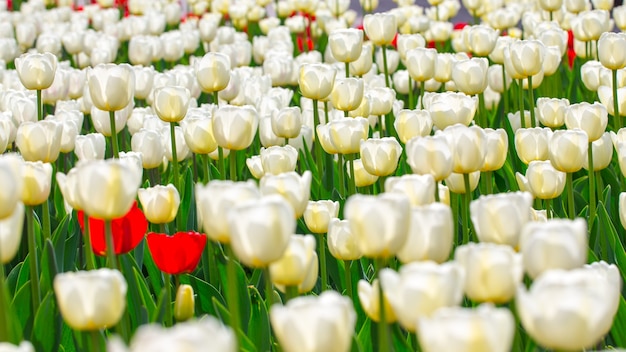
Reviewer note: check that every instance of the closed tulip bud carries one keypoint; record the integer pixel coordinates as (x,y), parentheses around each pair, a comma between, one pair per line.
(11,232)
(381,223)
(532,143)
(346,44)
(184,305)
(447,109)
(40,141)
(497,149)
(362,178)
(91,300)
(456,182)
(421,63)
(111,86)
(213,72)
(567,149)
(443,67)
(590,118)
(550,5)
(468,146)
(318,215)
(215,199)
(492,329)
(347,93)
(619,16)
(470,76)
(149,144)
(430,235)
(380,28)
(296,322)
(342,243)
(274,221)
(198,133)
(592,301)
(160,203)
(381,100)
(551,111)
(420,289)
(369,297)
(413,123)
(295,263)
(380,156)
(527,57)
(430,155)
(499,218)
(37,181)
(602,153)
(364,63)
(555,244)
(481,40)
(544,181)
(346,134)
(234,127)
(90,147)
(36,71)
(276,160)
(255,166)
(171,103)
(287,122)
(316,80)
(294,188)
(407,42)
(492,271)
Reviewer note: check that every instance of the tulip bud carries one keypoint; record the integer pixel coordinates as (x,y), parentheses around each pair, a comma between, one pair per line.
(342,243)
(369,297)
(380,156)
(318,215)
(364,63)
(347,94)
(456,182)
(234,127)
(111,86)
(567,150)
(295,189)
(551,111)
(292,267)
(556,244)
(481,40)
(526,57)
(148,143)
(213,72)
(447,109)
(198,133)
(160,203)
(184,306)
(544,181)
(412,123)
(430,234)
(469,147)
(40,141)
(316,80)
(171,103)
(11,233)
(380,28)
(36,71)
(276,160)
(499,218)
(90,147)
(346,44)
(602,149)
(470,76)
(37,181)
(608,53)
(287,122)
(421,63)
(590,118)
(497,149)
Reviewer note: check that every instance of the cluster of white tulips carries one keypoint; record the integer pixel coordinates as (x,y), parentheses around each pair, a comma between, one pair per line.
(294,175)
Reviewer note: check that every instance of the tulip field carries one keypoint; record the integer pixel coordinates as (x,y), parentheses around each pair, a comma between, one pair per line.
(307,176)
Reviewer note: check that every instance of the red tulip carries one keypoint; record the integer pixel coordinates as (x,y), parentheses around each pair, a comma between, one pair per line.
(128,231)
(176,254)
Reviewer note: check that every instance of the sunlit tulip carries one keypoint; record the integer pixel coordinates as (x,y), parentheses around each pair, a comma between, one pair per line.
(527,56)
(342,243)
(430,234)
(532,143)
(11,173)
(184,304)
(322,323)
(430,155)
(182,150)
(421,63)
(382,235)
(24,346)
(37,181)
(499,218)
(369,296)
(159,203)
(149,144)
(481,40)
(412,123)
(468,146)
(380,28)
(497,149)
(40,141)
(591,118)
(316,80)
(215,199)
(406,42)
(419,188)
(551,111)
(567,149)
(111,86)
(619,16)
(555,244)
(91,300)
(571,310)
(447,109)
(485,328)
(11,233)
(36,71)
(346,44)
(318,215)
(213,72)
(544,181)
(589,25)
(456,182)
(470,76)
(90,147)
(380,156)
(295,263)
(364,63)
(492,271)
(294,188)
(107,189)
(346,134)
(287,122)
(274,221)
(198,133)
(276,159)
(347,93)
(602,150)
(101,119)
(605,94)
(234,127)
(362,178)
(171,103)
(550,5)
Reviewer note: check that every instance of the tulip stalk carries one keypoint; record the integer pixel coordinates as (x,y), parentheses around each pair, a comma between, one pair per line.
(207,168)
(386,69)
(521,103)
(114,145)
(348,277)
(531,98)
(90,259)
(220,163)
(410,92)
(45,209)
(4,310)
(108,234)
(167,299)
(341,171)
(505,92)
(383,328)
(569,185)
(347,63)
(321,248)
(548,206)
(616,114)
(466,208)
(269,289)
(232,158)
(482,114)
(233,293)
(318,147)
(39,106)
(95,340)
(175,173)
(437,191)
(352,183)
(32,255)
(592,185)
(291,292)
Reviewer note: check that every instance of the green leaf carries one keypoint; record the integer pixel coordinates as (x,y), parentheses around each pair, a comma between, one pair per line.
(618,331)
(205,295)
(47,328)
(59,238)
(136,309)
(154,274)
(364,336)
(49,267)
(186,196)
(71,247)
(12,278)
(242,289)
(259,326)
(224,315)
(148,307)
(22,299)
(617,250)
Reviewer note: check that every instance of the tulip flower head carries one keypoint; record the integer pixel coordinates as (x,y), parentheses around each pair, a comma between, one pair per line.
(176,254)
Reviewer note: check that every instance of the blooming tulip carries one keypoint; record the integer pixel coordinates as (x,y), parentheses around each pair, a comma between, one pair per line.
(295,263)
(430,234)
(447,109)
(176,254)
(111,86)
(316,80)
(90,146)
(544,181)
(499,218)
(421,63)
(318,215)
(11,234)
(380,156)
(497,148)
(160,203)
(532,143)
(470,76)
(602,150)
(40,141)
(198,133)
(412,123)
(37,181)
(171,103)
(608,53)
(380,28)
(347,93)
(468,146)
(346,44)
(36,71)
(567,150)
(551,111)
(149,144)
(527,57)
(234,127)
(430,155)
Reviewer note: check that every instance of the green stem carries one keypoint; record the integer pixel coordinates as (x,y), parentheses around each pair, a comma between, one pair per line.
(215,98)
(32,257)
(570,195)
(414,341)
(114,145)
(548,203)
(521,103)
(220,163)
(39,106)
(348,277)
(269,289)
(466,213)
(291,292)
(233,293)
(489,178)
(211,274)
(437,191)
(386,69)
(175,176)
(505,92)
(45,209)
(482,114)
(342,185)
(108,234)
(4,307)
(89,256)
(232,158)
(318,146)
(347,65)
(592,185)
(95,340)
(422,91)
(531,98)
(383,328)
(167,280)
(321,248)
(206,162)
(616,114)
(410,93)
(352,183)
(381,132)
